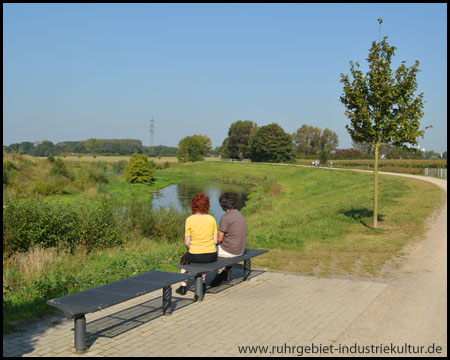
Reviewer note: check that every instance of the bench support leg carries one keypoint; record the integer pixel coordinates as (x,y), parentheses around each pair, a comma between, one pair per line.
(199,287)
(247,268)
(80,334)
(167,300)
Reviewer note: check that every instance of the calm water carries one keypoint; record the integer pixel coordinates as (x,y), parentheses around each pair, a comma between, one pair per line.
(180,195)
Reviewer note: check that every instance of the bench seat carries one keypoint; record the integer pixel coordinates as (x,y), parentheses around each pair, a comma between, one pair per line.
(87,301)
(197,269)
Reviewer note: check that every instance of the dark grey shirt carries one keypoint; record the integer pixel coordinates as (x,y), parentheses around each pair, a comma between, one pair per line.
(234,227)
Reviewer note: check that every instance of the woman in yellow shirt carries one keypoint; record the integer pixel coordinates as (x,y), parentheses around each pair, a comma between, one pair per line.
(200,237)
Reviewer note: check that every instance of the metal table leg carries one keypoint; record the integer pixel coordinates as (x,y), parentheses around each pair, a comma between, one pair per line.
(247,268)
(199,287)
(167,300)
(80,334)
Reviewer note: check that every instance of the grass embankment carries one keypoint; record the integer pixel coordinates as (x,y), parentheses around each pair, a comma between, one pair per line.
(314,221)
(320,221)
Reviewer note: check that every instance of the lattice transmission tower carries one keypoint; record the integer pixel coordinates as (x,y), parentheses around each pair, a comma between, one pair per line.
(152,135)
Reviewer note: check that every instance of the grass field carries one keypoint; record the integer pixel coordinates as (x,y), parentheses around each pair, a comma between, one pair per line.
(319,222)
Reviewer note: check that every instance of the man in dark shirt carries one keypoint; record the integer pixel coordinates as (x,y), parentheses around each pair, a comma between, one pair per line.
(232,236)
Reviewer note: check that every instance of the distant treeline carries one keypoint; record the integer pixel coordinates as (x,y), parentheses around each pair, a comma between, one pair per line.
(90,146)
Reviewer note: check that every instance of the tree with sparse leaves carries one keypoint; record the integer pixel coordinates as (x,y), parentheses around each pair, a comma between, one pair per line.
(382,105)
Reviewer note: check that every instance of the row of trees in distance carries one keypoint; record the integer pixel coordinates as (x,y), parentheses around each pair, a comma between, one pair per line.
(269,143)
(89,146)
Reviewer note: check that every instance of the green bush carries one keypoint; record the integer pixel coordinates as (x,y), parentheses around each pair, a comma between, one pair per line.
(158,224)
(97,173)
(139,170)
(32,221)
(59,168)
(46,188)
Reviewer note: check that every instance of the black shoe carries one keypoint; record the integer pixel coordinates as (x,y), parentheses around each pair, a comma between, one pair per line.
(218,279)
(227,272)
(182,290)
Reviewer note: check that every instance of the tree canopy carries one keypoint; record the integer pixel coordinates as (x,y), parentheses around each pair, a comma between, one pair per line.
(272,144)
(238,141)
(193,148)
(311,140)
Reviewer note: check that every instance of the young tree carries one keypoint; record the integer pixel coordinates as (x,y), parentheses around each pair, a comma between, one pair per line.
(272,144)
(381,104)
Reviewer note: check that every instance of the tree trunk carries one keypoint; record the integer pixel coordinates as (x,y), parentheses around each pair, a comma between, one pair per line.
(375,207)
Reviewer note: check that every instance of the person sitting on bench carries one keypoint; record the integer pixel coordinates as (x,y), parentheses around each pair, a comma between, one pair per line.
(232,238)
(200,237)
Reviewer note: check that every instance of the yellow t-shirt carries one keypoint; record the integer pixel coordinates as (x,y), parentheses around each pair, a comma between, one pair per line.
(201,228)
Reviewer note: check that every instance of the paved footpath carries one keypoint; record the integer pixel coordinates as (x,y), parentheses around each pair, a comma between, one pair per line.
(271,309)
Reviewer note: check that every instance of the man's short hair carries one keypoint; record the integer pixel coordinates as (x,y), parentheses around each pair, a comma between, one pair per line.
(226,201)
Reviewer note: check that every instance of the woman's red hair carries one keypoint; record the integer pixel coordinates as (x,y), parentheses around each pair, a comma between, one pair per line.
(200,203)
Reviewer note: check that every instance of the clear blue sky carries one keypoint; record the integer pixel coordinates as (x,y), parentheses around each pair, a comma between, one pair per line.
(79,71)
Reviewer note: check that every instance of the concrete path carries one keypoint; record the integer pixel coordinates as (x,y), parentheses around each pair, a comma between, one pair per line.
(274,314)
(271,309)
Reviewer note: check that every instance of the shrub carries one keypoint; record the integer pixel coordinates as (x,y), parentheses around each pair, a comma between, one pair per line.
(8,165)
(119,166)
(323,157)
(59,168)
(158,224)
(46,188)
(98,175)
(33,221)
(139,170)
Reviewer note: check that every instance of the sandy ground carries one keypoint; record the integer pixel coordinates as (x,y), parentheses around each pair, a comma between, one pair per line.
(412,310)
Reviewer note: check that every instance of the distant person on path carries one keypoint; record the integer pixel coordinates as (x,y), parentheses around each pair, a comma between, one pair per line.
(200,237)
(232,237)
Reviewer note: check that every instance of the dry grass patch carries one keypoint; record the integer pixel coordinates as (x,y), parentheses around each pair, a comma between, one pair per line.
(33,263)
(111,159)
